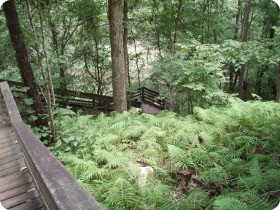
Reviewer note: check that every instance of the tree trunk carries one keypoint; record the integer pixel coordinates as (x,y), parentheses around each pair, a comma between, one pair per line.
(98,76)
(259,78)
(136,59)
(232,78)
(179,11)
(237,20)
(49,86)
(41,67)
(22,57)
(56,45)
(125,39)
(241,90)
(117,54)
(125,47)
(278,85)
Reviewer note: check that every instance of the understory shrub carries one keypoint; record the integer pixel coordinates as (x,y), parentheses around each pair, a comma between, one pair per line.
(219,158)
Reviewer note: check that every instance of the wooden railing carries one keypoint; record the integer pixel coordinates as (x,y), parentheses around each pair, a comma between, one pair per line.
(77,99)
(149,96)
(87,100)
(57,187)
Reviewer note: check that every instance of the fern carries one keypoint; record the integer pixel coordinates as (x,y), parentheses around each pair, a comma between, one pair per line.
(180,158)
(216,175)
(261,181)
(160,196)
(229,203)
(93,172)
(254,201)
(121,196)
(234,149)
(134,132)
(151,119)
(196,199)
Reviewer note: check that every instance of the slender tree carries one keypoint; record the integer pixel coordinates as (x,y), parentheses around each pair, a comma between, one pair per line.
(179,11)
(278,85)
(241,89)
(24,65)
(237,20)
(117,54)
(47,80)
(125,39)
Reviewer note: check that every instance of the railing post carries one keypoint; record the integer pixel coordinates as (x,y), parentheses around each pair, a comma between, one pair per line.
(142,94)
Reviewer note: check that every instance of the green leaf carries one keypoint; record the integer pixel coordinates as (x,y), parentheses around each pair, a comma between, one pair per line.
(28,101)
(33,118)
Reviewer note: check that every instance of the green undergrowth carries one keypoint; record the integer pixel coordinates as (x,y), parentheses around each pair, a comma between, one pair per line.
(219,158)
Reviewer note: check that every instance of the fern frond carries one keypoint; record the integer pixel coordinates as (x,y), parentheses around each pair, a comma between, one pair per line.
(92,172)
(160,196)
(180,157)
(229,203)
(261,181)
(119,126)
(166,114)
(197,199)
(122,195)
(117,161)
(105,142)
(75,161)
(254,201)
(150,119)
(153,132)
(216,175)
(134,131)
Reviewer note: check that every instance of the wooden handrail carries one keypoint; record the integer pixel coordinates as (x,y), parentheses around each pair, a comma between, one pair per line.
(99,102)
(149,96)
(58,188)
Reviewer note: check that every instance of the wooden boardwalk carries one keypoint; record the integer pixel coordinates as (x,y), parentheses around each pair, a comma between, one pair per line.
(17,189)
(144,98)
(30,177)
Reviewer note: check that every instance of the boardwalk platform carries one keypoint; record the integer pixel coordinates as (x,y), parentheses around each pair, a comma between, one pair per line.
(148,100)
(30,177)
(17,189)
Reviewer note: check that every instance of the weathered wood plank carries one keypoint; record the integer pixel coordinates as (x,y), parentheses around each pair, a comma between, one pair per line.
(16,191)
(9,153)
(30,205)
(14,180)
(6,144)
(9,165)
(4,118)
(5,139)
(19,199)
(9,171)
(10,159)
(5,125)
(8,149)
(4,133)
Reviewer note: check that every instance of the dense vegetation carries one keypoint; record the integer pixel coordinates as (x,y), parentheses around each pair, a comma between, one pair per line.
(221,157)
(209,149)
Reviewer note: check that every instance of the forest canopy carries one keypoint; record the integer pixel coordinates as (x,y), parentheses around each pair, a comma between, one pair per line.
(203,39)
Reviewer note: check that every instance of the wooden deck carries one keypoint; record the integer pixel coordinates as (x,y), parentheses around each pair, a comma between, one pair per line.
(17,189)
(30,177)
